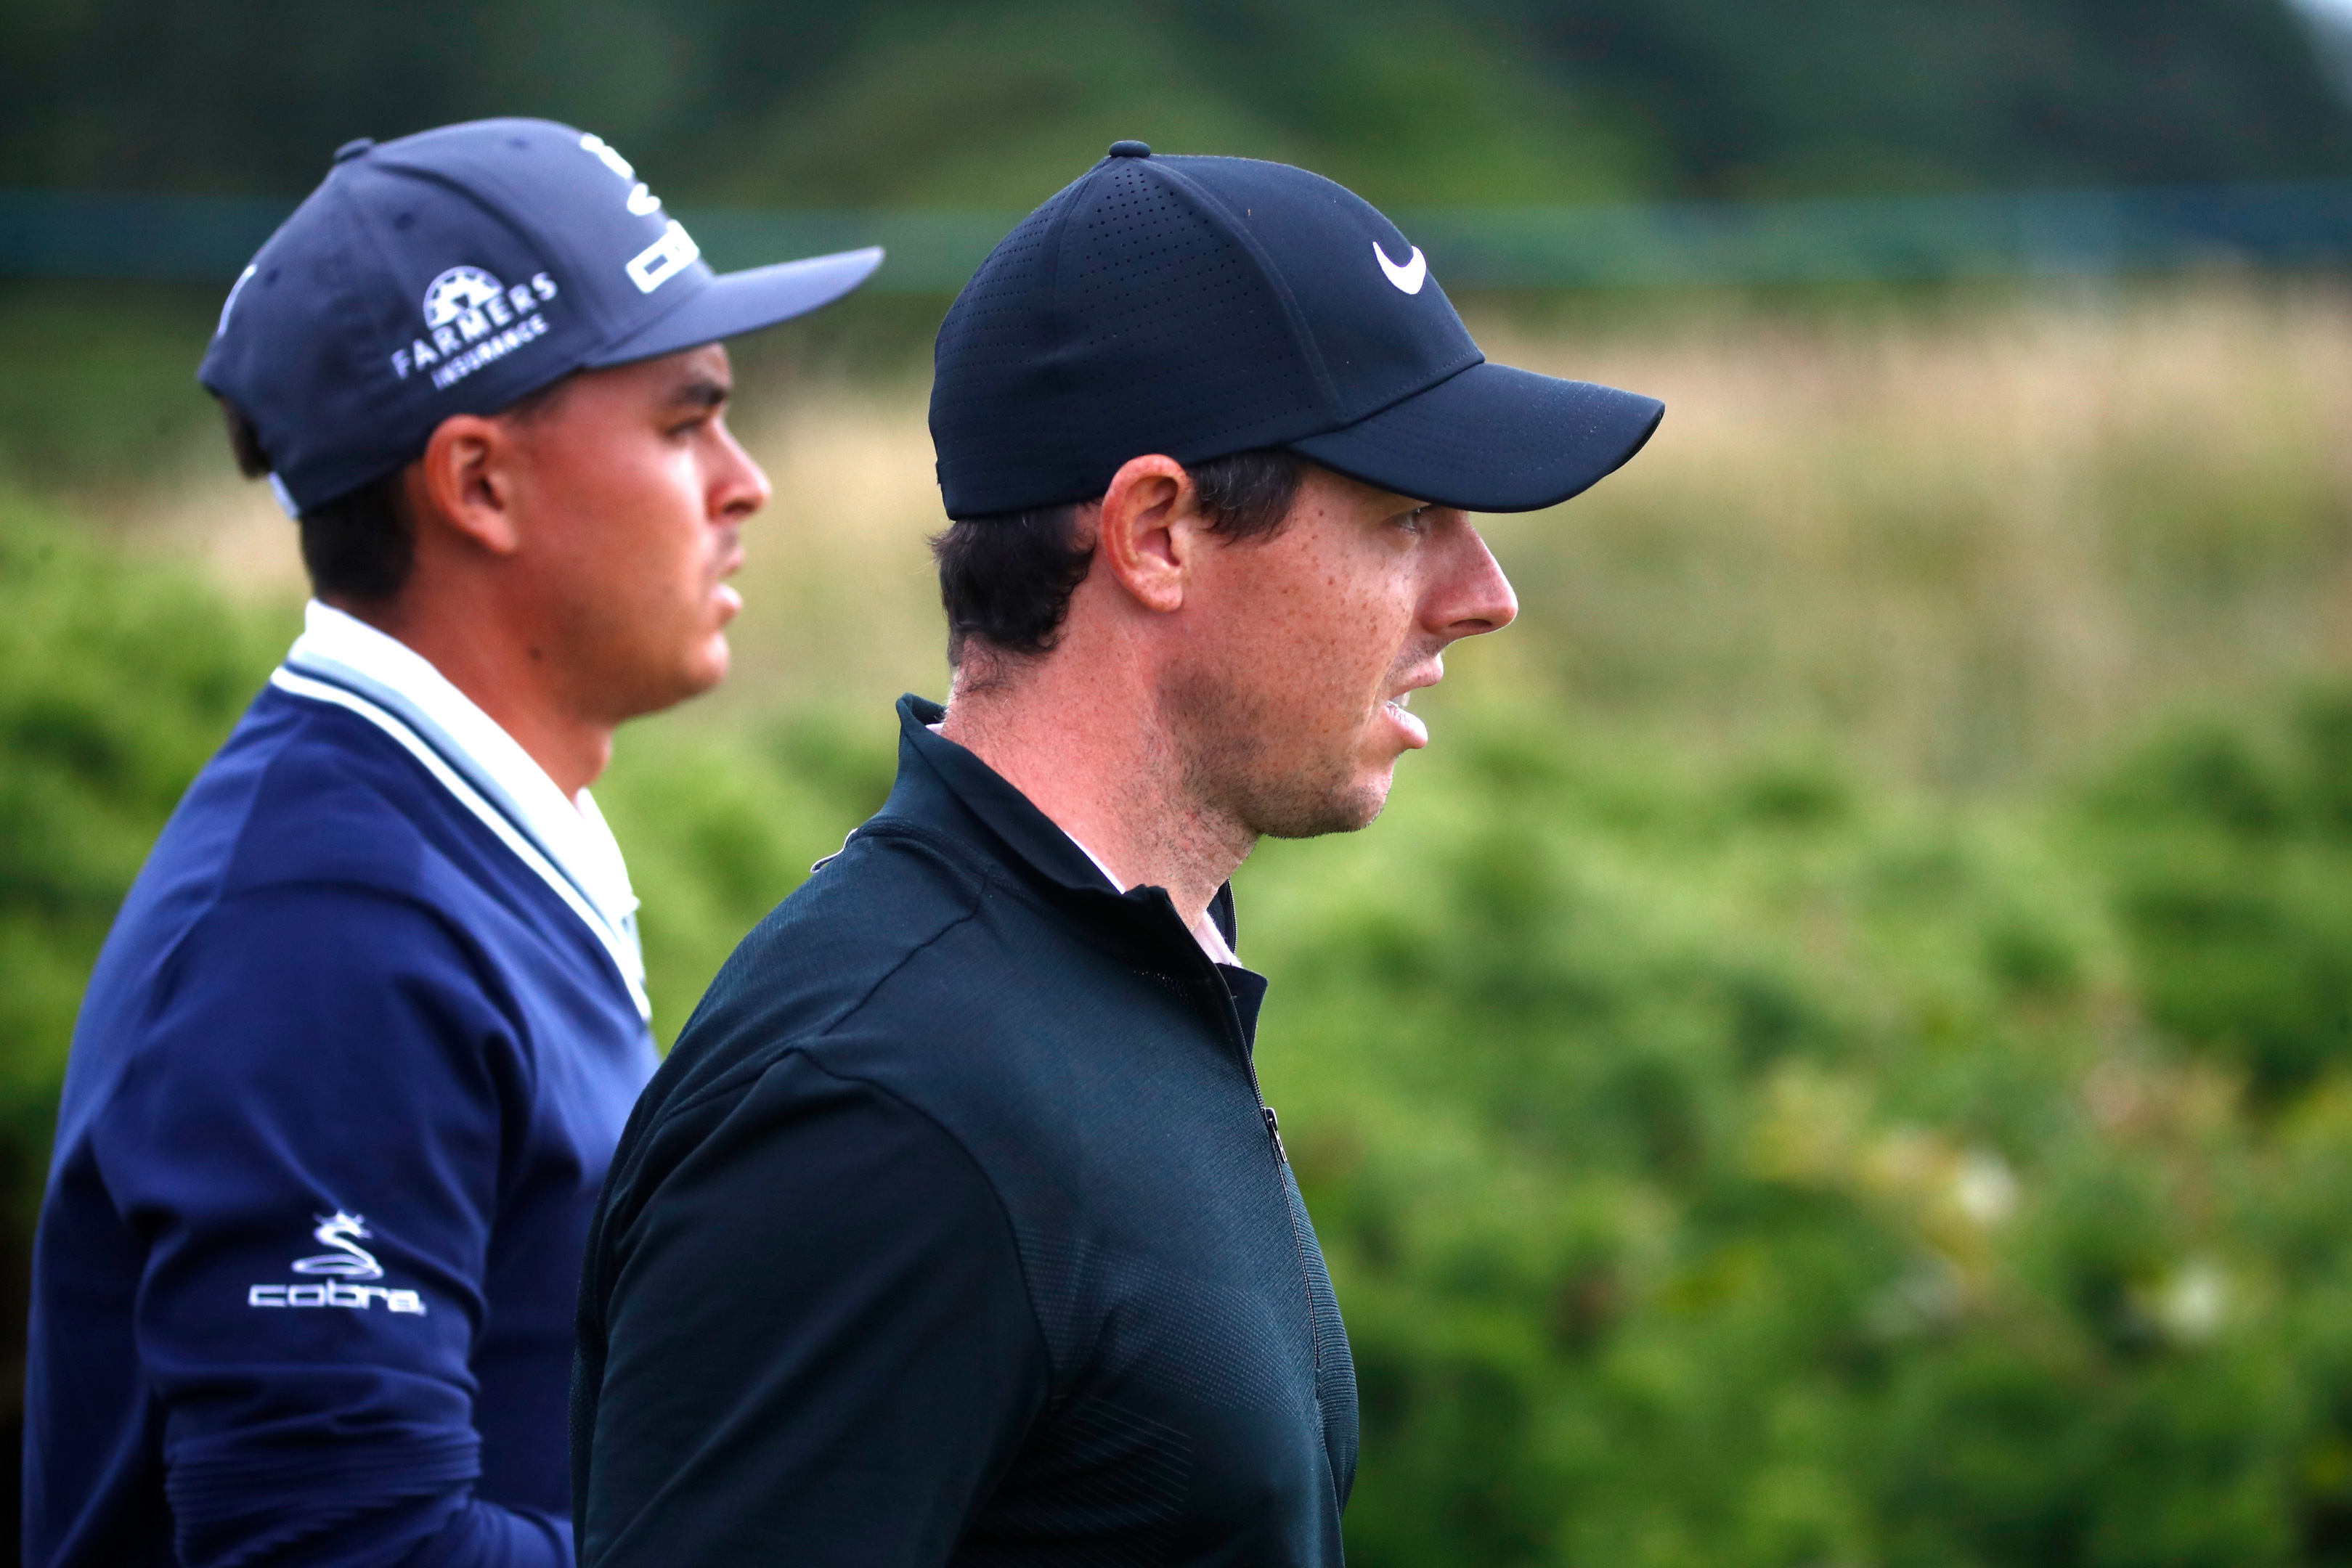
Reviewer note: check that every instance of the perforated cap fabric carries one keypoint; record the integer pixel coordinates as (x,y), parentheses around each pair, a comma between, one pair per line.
(1200,307)
(456,270)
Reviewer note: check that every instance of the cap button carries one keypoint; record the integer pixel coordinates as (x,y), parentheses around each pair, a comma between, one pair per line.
(1130,150)
(352,149)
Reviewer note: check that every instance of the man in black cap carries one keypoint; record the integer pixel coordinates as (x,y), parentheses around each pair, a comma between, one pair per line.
(364,1033)
(955,1230)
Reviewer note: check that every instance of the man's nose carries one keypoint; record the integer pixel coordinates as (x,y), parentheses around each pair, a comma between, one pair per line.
(1471,595)
(740,487)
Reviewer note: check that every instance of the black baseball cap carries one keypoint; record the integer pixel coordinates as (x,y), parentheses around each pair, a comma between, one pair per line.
(1201,307)
(456,270)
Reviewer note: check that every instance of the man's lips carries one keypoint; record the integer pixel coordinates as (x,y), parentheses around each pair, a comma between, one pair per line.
(730,601)
(1416,732)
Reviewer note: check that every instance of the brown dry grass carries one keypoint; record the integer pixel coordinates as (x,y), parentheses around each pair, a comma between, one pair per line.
(1967,540)
(1973,543)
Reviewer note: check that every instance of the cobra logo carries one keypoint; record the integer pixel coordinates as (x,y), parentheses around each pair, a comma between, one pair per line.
(350,1259)
(344,1263)
(673,250)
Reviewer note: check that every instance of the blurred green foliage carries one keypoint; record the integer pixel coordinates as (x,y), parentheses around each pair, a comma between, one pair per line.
(1743,1163)
(998,102)
(119,678)
(109,392)
(2233,846)
(116,682)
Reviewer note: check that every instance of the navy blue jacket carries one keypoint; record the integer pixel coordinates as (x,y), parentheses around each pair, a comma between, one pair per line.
(343,1089)
(954,1232)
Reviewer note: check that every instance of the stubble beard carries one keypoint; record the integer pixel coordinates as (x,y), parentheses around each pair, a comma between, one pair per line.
(1243,762)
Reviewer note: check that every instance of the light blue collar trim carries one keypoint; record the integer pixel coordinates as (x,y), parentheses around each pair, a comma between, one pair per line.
(344,661)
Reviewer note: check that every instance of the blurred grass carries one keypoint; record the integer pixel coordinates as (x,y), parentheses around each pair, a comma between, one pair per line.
(1838,1054)
(1964,533)
(1967,537)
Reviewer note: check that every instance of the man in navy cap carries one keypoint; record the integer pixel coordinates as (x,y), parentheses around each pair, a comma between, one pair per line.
(955,1230)
(358,1047)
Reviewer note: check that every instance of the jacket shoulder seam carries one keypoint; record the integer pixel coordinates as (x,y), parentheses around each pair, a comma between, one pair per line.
(979,1168)
(736,1077)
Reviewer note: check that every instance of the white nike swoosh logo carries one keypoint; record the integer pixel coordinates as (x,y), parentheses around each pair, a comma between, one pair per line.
(1408,277)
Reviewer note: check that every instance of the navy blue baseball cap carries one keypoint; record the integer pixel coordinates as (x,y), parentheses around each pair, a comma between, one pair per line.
(1201,307)
(458,270)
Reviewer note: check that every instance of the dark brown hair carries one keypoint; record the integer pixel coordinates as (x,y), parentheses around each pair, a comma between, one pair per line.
(1006,578)
(361,546)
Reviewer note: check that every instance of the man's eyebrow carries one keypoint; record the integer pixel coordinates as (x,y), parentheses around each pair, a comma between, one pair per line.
(702,391)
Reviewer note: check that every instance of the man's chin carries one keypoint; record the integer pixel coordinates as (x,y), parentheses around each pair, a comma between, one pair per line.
(710,669)
(1311,813)
(689,678)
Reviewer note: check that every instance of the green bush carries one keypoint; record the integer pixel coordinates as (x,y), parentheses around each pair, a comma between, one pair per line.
(1745,1164)
(716,835)
(1758,1169)
(117,680)
(2233,844)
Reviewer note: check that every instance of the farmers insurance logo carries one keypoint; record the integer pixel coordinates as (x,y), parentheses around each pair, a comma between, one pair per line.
(345,1262)
(471,319)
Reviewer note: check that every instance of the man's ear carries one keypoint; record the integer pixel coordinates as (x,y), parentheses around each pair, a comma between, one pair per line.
(1149,530)
(464,482)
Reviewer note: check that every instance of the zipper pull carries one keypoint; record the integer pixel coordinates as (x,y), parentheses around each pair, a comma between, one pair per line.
(1274,1131)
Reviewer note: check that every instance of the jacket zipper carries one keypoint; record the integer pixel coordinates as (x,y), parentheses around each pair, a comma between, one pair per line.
(1231,1025)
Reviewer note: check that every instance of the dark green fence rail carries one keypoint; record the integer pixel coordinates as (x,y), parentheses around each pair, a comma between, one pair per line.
(199,238)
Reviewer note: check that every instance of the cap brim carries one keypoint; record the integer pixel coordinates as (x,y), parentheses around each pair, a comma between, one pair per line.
(1493,439)
(734,303)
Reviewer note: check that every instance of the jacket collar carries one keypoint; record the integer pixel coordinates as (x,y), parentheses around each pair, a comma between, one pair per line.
(347,663)
(936,776)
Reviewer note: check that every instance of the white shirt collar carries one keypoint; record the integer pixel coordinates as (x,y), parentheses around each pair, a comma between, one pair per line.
(1212,940)
(572,832)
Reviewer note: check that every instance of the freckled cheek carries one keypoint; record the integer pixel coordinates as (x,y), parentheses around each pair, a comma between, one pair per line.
(1365,625)
(1309,645)
(1329,664)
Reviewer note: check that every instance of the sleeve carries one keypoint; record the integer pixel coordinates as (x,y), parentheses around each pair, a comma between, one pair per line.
(307,1145)
(808,1341)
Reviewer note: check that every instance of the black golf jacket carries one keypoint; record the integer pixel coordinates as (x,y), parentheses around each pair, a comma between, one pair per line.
(955,1232)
